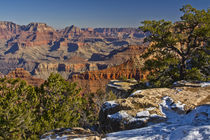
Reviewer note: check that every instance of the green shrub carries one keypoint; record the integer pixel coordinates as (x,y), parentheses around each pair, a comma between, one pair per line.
(16,109)
(179,50)
(27,112)
(59,105)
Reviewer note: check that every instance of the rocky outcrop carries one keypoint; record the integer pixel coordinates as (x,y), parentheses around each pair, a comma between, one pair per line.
(121,88)
(71,133)
(25,75)
(97,79)
(71,32)
(130,69)
(194,125)
(34,34)
(118,32)
(145,107)
(109,33)
(8,30)
(121,55)
(66,68)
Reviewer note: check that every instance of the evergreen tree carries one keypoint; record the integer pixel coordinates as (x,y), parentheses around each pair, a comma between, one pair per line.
(27,112)
(16,109)
(60,104)
(177,50)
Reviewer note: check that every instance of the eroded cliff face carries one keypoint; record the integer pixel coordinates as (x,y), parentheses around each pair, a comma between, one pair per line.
(91,70)
(25,75)
(97,79)
(40,34)
(129,66)
(8,30)
(65,69)
(130,69)
(92,55)
(34,34)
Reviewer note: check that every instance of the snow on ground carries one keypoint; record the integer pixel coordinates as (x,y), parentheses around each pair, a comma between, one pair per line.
(191,133)
(179,105)
(119,116)
(163,131)
(142,114)
(167,106)
(205,84)
(192,126)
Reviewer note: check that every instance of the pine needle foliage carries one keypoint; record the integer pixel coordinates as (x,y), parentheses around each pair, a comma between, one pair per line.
(179,50)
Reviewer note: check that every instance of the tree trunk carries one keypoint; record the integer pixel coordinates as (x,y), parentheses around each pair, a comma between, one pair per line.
(182,69)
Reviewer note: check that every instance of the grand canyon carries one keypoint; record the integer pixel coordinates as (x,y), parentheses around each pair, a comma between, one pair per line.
(104,70)
(88,56)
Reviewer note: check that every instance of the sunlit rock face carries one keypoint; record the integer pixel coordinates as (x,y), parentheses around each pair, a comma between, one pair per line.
(147,107)
(25,75)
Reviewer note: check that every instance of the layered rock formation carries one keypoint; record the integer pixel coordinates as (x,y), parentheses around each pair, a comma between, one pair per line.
(89,56)
(25,75)
(34,45)
(34,34)
(98,79)
(8,30)
(130,69)
(65,69)
(38,34)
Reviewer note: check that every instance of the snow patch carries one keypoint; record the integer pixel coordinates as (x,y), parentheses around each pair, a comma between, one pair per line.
(137,120)
(120,116)
(199,116)
(179,106)
(191,133)
(150,108)
(163,131)
(142,114)
(168,107)
(205,84)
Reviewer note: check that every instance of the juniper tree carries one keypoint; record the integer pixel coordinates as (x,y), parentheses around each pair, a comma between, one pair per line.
(176,49)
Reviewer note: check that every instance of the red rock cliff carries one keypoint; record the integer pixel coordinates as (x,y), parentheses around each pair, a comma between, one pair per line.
(91,81)
(25,75)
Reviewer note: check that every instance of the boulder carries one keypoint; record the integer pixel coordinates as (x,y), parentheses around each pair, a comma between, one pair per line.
(150,106)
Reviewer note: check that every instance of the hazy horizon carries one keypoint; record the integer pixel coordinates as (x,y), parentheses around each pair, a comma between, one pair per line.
(94,13)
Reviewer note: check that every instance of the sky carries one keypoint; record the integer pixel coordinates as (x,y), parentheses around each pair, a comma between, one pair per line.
(93,13)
